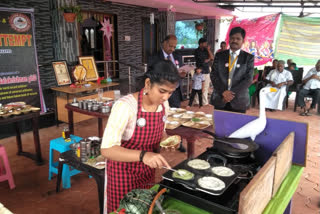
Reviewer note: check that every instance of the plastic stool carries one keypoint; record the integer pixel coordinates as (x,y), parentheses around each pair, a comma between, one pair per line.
(5,170)
(61,146)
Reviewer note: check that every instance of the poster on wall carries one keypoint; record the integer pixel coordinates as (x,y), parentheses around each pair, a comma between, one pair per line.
(19,74)
(259,40)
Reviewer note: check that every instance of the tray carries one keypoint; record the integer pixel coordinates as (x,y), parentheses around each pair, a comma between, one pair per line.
(193,183)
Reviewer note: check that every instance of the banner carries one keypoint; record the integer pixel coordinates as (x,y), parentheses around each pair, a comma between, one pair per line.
(299,40)
(259,36)
(19,74)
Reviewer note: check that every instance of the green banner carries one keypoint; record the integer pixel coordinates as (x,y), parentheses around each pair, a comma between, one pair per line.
(299,40)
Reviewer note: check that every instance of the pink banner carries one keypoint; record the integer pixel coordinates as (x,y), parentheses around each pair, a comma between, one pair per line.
(259,36)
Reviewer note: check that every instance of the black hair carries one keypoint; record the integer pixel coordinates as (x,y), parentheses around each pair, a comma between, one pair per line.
(293,64)
(198,68)
(163,71)
(223,42)
(168,37)
(238,30)
(202,40)
(275,60)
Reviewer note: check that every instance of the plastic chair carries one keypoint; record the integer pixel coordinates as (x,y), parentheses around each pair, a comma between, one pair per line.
(5,170)
(61,146)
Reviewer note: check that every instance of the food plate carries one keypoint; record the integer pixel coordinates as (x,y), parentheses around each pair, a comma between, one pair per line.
(222,171)
(197,125)
(171,142)
(199,114)
(180,110)
(172,124)
(199,164)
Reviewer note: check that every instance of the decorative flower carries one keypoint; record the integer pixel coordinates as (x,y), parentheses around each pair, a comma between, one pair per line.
(227,65)
(238,65)
(177,62)
(99,80)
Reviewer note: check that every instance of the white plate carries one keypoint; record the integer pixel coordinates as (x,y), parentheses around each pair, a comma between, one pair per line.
(208,116)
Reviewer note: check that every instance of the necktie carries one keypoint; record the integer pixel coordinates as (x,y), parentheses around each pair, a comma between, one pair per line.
(169,58)
(232,63)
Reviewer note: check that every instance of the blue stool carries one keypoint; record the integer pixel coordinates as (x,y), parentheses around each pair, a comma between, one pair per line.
(61,146)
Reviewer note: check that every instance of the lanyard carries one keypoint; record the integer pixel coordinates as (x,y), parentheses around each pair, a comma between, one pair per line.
(231,65)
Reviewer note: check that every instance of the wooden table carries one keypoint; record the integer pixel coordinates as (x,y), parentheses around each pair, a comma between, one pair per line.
(34,116)
(65,94)
(72,160)
(191,135)
(99,115)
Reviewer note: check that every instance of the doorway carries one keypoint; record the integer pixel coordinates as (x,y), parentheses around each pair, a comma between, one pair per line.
(93,42)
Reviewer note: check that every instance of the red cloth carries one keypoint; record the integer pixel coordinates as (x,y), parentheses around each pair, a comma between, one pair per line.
(122,177)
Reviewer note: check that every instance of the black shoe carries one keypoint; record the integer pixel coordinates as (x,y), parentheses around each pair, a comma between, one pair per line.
(181,148)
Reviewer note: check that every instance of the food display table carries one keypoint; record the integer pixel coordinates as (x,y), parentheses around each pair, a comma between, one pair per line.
(191,135)
(65,94)
(72,160)
(34,116)
(99,115)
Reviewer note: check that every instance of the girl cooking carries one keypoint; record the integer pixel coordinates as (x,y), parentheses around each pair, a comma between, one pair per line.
(133,133)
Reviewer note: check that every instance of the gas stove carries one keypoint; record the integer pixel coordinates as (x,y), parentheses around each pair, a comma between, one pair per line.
(228,201)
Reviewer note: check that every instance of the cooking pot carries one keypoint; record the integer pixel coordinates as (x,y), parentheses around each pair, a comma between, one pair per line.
(222,144)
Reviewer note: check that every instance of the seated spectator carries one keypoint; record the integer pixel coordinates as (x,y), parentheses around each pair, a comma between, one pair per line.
(289,61)
(253,86)
(267,69)
(278,78)
(223,47)
(311,87)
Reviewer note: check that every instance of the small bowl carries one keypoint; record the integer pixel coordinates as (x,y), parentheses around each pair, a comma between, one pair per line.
(173,122)
(173,109)
(209,116)
(177,115)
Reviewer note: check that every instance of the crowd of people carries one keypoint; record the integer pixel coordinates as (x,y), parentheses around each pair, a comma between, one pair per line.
(131,144)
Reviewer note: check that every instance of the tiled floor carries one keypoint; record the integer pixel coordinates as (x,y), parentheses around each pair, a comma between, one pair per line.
(35,194)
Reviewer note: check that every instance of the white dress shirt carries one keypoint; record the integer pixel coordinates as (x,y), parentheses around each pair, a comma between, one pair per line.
(313,83)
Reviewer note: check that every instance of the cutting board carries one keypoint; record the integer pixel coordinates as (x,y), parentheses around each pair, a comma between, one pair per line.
(257,194)
(283,155)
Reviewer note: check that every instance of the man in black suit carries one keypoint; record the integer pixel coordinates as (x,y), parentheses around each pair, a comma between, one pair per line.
(232,75)
(167,53)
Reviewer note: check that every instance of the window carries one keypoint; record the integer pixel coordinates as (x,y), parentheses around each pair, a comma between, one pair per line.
(187,34)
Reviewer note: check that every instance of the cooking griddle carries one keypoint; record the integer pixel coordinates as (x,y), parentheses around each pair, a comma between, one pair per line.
(193,183)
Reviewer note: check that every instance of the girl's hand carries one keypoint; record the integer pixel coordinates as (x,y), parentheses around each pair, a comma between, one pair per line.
(155,160)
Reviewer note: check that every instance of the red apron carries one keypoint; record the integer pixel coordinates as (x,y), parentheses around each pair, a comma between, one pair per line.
(122,177)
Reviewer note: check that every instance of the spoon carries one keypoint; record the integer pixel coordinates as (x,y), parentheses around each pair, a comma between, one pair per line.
(181,173)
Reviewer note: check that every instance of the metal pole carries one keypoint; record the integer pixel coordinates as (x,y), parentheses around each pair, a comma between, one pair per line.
(129,73)
(145,68)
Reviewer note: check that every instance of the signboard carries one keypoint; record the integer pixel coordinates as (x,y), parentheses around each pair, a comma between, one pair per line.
(19,74)
(259,36)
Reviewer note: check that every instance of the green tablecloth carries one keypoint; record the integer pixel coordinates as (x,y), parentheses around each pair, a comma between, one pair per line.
(277,205)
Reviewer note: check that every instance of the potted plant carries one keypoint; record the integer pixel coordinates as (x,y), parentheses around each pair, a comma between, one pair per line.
(199,25)
(70,13)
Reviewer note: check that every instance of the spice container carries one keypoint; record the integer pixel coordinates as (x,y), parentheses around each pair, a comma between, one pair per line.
(83,151)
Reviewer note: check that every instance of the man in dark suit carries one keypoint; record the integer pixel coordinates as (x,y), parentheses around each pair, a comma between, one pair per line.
(167,53)
(232,75)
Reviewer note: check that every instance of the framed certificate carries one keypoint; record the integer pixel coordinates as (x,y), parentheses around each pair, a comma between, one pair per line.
(61,71)
(89,63)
